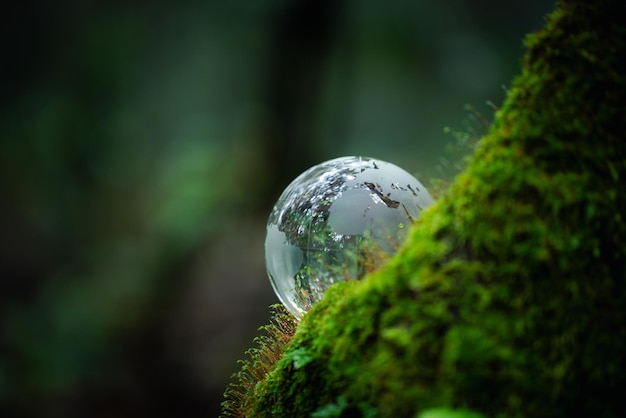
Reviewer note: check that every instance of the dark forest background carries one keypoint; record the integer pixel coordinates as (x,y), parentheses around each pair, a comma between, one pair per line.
(142,145)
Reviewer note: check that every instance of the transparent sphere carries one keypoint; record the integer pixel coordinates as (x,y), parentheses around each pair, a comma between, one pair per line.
(338,221)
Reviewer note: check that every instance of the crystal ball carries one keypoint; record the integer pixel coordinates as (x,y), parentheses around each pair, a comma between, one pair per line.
(338,221)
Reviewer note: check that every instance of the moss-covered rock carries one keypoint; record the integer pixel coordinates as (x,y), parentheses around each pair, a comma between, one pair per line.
(509,297)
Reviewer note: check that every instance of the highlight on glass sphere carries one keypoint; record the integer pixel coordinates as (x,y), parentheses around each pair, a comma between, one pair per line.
(338,221)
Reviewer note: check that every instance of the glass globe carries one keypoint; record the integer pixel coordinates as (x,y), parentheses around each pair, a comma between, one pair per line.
(338,221)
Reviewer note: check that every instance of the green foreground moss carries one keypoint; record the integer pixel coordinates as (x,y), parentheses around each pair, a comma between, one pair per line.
(509,297)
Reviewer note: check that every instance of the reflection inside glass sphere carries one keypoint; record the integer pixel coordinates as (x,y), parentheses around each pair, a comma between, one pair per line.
(338,221)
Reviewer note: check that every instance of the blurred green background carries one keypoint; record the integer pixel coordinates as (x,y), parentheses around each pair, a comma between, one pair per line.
(142,145)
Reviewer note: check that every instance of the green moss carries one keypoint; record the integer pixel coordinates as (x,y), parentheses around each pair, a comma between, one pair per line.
(449,413)
(509,297)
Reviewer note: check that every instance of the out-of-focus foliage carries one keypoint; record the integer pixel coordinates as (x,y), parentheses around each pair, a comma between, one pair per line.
(142,144)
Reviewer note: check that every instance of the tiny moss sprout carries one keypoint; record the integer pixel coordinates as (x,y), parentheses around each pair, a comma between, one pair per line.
(269,349)
(465,141)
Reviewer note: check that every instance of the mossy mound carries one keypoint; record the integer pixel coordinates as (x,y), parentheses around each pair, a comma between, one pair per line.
(509,297)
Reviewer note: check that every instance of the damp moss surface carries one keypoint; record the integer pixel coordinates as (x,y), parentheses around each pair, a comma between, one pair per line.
(509,297)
